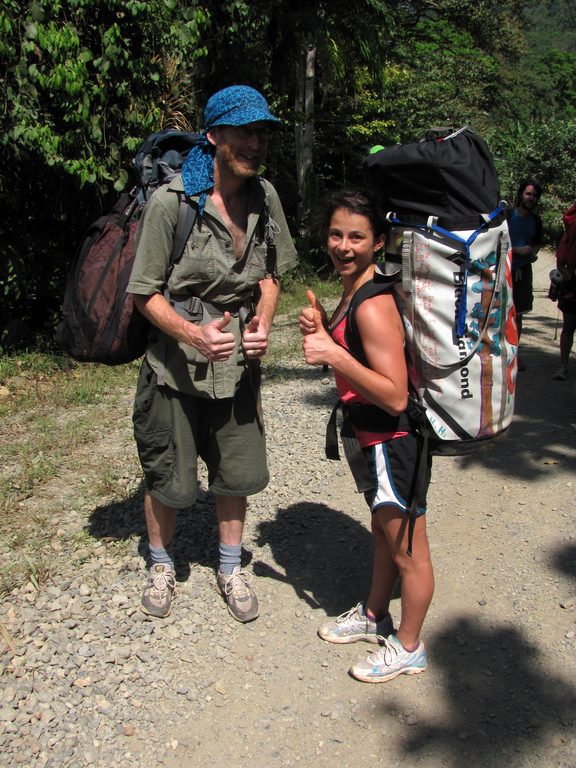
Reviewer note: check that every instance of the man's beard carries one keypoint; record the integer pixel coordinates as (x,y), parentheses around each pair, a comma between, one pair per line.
(241,169)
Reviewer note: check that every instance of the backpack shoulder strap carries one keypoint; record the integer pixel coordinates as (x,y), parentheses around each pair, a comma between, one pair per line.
(270,229)
(380,284)
(187,213)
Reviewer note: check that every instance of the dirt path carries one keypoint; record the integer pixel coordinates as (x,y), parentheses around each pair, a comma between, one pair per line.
(500,689)
(200,689)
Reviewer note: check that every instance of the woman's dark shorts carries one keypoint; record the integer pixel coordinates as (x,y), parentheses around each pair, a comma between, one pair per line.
(393,467)
(173,429)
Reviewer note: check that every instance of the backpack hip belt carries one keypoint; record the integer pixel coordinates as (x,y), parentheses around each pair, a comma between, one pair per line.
(189,305)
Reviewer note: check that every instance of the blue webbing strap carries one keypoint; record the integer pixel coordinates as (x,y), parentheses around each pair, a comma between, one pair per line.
(461,319)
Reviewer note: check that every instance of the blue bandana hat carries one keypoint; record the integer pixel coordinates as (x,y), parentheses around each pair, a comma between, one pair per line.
(236,105)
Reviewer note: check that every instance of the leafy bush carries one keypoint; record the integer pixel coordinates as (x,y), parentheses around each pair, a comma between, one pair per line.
(84,83)
(544,151)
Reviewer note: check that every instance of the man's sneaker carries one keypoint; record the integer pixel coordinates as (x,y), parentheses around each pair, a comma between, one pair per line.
(561,373)
(158,592)
(239,594)
(389,661)
(354,625)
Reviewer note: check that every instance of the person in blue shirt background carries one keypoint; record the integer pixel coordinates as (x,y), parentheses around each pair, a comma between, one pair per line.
(525,228)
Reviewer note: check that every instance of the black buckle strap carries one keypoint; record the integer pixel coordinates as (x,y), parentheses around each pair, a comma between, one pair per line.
(331,440)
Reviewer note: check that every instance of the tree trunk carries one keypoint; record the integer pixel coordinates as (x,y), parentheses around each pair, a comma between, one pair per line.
(304,137)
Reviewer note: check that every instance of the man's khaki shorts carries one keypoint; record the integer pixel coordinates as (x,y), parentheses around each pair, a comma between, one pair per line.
(173,429)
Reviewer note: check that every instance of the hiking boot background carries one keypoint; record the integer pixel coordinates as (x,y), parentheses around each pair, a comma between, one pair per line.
(159,591)
(239,594)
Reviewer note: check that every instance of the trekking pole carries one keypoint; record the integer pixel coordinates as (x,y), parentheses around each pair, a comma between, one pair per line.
(557,321)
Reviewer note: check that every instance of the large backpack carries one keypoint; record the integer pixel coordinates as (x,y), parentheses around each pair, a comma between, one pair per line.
(566,251)
(448,262)
(100,322)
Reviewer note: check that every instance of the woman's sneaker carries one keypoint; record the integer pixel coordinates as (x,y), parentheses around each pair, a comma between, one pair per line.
(389,661)
(354,625)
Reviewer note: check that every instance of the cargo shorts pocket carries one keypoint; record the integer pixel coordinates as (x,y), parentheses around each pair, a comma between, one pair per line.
(152,428)
(156,453)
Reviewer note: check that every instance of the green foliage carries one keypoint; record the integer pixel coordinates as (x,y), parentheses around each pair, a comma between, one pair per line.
(77,93)
(86,80)
(546,86)
(556,72)
(84,83)
(546,152)
(494,25)
(440,76)
(551,20)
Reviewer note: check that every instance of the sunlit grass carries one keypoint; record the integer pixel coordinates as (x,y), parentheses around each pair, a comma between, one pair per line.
(293,296)
(24,543)
(53,381)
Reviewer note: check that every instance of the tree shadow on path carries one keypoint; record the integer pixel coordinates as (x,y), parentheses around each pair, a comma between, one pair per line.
(563,559)
(502,702)
(325,554)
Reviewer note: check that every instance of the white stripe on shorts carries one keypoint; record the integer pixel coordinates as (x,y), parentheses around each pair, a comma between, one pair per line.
(386,493)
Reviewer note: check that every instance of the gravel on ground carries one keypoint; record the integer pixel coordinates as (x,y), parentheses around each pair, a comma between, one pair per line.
(88,680)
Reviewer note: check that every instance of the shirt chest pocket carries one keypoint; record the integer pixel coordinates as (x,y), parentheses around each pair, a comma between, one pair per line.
(198,263)
(255,268)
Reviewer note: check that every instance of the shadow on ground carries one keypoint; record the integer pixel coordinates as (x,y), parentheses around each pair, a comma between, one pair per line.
(196,539)
(564,560)
(308,542)
(502,702)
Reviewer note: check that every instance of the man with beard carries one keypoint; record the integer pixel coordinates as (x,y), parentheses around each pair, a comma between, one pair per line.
(198,391)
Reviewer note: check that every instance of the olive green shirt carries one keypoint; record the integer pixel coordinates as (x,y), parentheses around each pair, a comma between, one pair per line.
(208,270)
